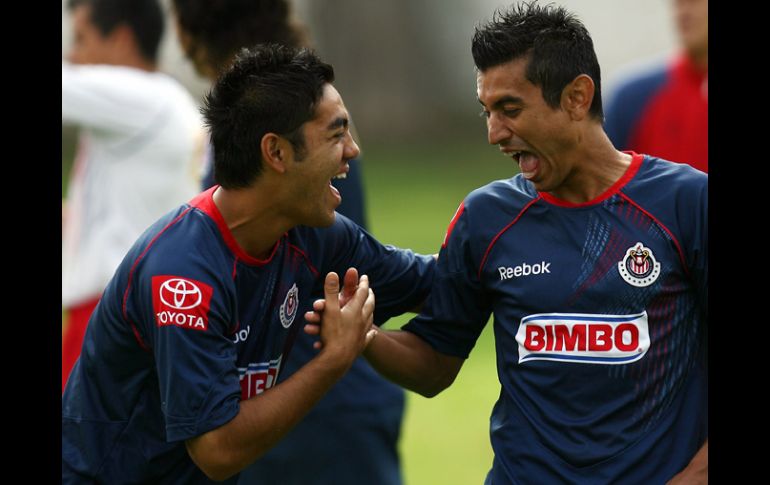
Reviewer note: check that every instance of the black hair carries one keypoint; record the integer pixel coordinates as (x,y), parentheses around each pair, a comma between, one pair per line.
(270,88)
(556,43)
(218,29)
(143,17)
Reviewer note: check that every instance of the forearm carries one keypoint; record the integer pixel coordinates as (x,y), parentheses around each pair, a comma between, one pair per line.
(697,471)
(264,419)
(410,362)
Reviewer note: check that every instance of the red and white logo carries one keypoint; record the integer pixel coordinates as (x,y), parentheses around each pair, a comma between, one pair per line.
(181,302)
(639,267)
(258,377)
(289,306)
(583,338)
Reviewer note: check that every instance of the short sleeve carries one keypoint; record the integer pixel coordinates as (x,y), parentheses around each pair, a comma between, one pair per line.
(187,318)
(457,309)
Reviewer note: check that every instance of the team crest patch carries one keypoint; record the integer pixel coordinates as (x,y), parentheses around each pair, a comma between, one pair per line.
(639,267)
(289,306)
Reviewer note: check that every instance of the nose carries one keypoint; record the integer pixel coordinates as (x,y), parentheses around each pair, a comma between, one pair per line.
(351,148)
(497,131)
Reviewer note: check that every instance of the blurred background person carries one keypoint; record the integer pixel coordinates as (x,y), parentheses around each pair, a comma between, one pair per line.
(139,151)
(663,110)
(352,434)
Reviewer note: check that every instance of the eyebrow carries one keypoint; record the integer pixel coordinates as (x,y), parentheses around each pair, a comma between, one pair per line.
(504,100)
(340,122)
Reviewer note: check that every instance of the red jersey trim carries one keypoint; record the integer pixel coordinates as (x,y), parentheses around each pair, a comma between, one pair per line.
(494,240)
(452,223)
(205,202)
(307,260)
(636,162)
(137,335)
(662,226)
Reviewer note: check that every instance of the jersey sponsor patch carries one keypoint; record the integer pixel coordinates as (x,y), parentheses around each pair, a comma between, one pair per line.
(181,302)
(583,338)
(639,267)
(289,306)
(256,378)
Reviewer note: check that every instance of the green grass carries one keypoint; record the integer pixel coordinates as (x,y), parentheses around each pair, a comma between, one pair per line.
(412,194)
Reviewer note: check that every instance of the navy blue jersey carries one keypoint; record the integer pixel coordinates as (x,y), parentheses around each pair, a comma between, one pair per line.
(190,325)
(599,320)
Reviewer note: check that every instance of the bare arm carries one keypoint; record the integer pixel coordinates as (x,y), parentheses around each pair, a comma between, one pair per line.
(697,471)
(264,419)
(400,356)
(409,361)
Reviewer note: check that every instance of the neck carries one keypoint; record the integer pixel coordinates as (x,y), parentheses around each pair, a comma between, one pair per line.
(254,220)
(597,166)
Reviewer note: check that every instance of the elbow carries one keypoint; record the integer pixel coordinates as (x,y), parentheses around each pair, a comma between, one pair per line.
(212,460)
(435,386)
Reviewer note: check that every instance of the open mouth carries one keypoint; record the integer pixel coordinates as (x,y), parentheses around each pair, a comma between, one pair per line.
(528,162)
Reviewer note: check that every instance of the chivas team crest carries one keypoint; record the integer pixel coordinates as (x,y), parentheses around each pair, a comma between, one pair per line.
(639,267)
(289,306)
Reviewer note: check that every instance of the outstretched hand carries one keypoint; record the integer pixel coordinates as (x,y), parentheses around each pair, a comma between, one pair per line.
(336,301)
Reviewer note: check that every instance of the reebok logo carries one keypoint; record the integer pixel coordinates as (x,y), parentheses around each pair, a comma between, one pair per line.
(523,269)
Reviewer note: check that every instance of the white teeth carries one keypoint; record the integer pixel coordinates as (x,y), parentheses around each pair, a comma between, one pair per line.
(342,175)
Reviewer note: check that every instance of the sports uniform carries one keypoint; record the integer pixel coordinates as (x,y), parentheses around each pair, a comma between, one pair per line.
(662,111)
(190,325)
(599,319)
(138,157)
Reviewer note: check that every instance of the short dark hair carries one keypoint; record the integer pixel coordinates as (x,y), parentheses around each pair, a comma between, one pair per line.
(557,44)
(271,88)
(143,17)
(218,29)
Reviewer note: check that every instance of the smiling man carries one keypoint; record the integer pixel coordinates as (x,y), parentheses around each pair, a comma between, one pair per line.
(179,380)
(594,263)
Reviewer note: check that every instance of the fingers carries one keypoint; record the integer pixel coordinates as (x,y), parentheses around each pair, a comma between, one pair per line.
(360,295)
(312,329)
(350,284)
(331,292)
(369,337)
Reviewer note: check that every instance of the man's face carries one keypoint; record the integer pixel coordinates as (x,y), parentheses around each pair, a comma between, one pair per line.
(523,125)
(89,45)
(328,148)
(692,22)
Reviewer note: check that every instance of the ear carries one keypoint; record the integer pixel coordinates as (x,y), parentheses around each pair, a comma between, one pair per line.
(275,152)
(576,97)
(123,39)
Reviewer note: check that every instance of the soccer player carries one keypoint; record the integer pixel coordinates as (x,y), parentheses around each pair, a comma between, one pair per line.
(140,148)
(663,110)
(594,264)
(179,380)
(362,441)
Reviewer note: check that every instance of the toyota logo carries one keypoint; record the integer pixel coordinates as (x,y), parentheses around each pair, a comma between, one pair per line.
(180,294)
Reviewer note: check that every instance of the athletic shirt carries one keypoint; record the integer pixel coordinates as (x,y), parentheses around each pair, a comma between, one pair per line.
(139,155)
(662,111)
(599,320)
(190,325)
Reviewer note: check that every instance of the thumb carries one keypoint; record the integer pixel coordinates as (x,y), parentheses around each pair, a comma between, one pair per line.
(332,292)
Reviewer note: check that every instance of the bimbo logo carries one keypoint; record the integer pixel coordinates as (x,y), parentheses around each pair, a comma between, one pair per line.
(181,302)
(583,338)
(639,267)
(259,377)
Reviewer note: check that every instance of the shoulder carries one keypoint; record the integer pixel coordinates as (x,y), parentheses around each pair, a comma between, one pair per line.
(674,194)
(677,178)
(496,203)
